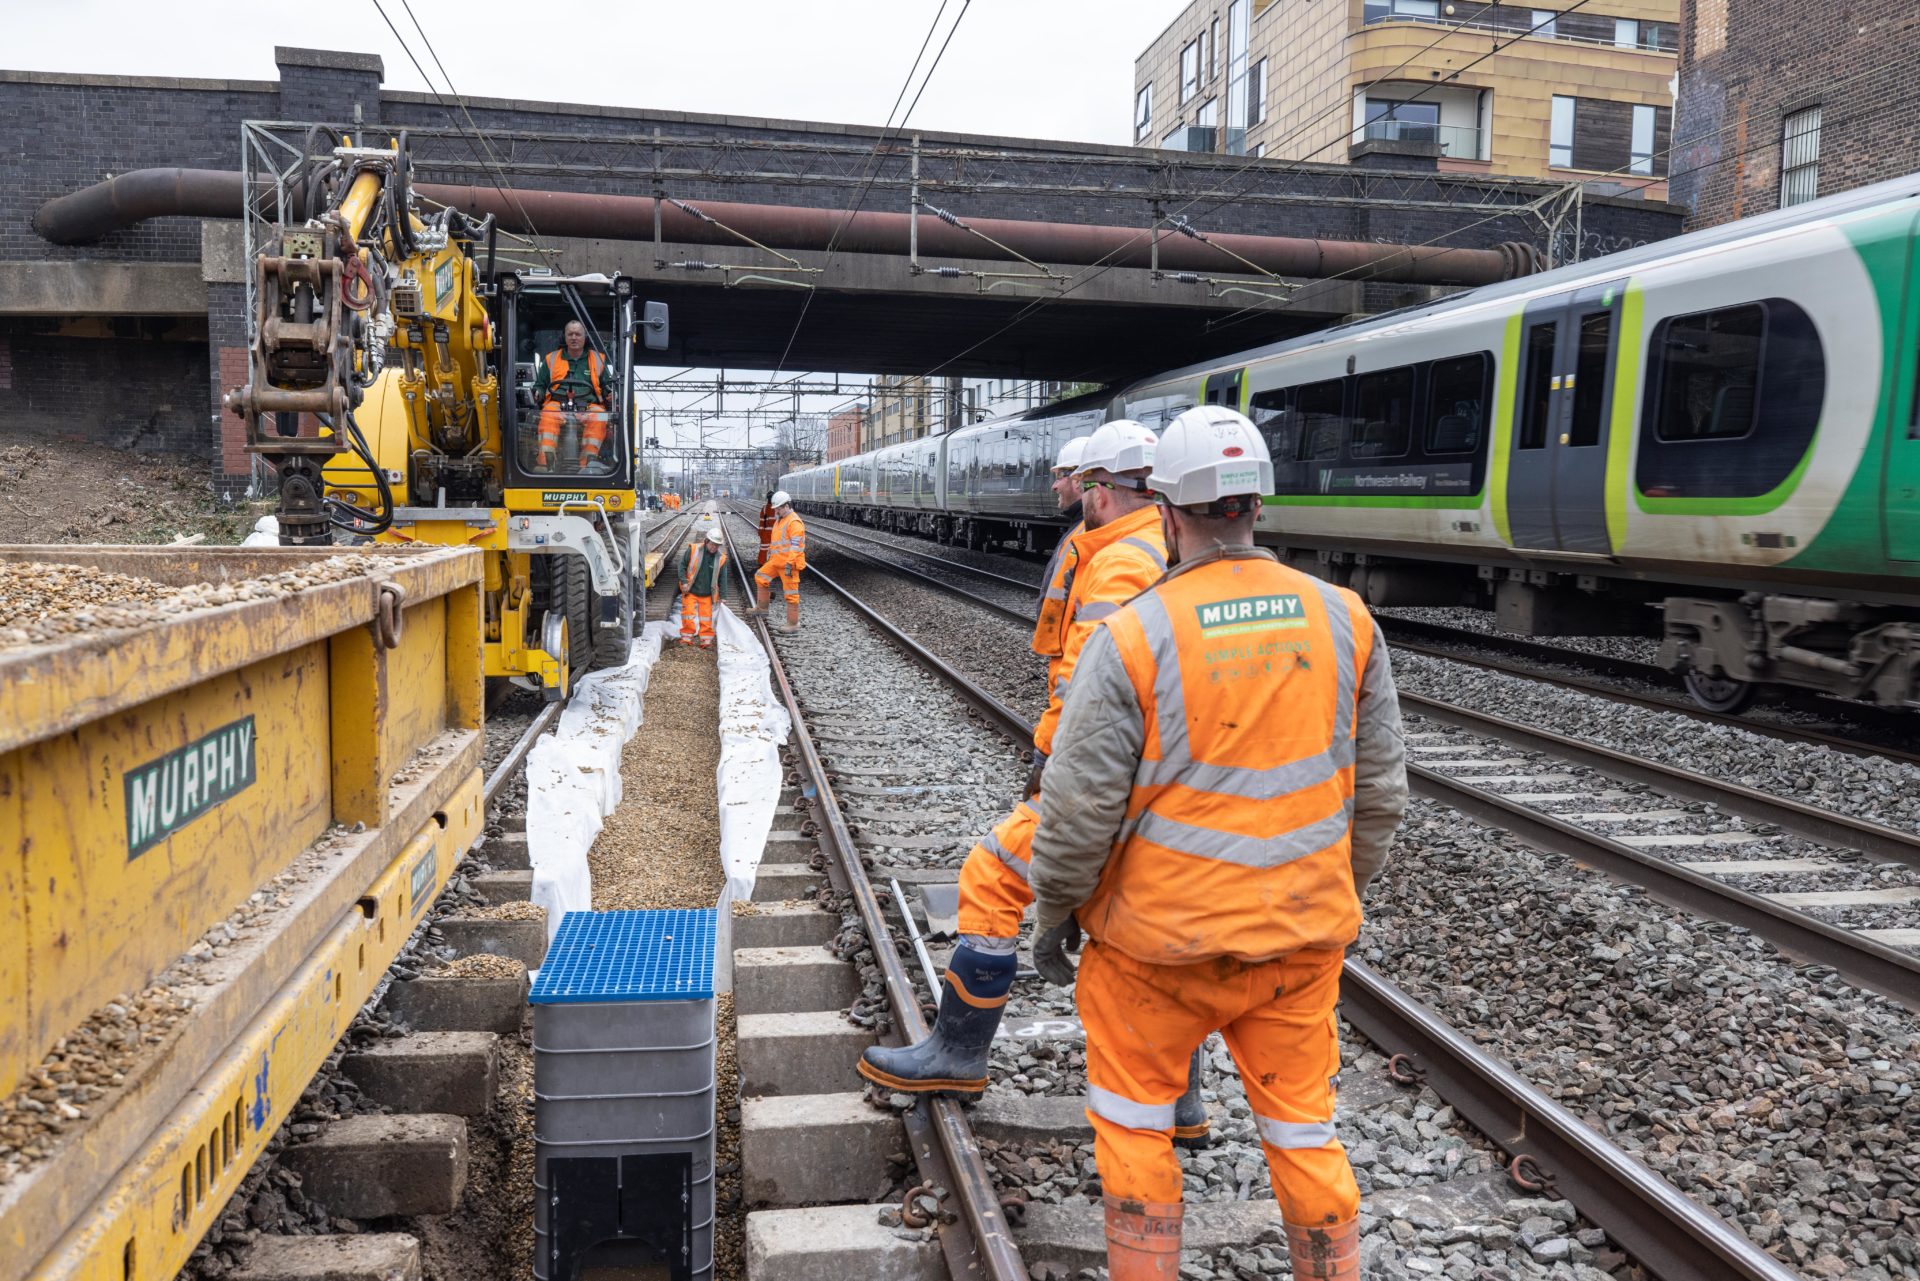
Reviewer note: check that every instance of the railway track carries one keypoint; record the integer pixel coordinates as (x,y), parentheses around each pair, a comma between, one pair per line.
(1661,1228)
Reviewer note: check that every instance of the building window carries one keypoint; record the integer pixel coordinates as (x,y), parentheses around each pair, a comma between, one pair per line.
(1544,22)
(1143,111)
(1175,141)
(1189,71)
(1626,33)
(1800,157)
(1641,159)
(1381,10)
(1213,50)
(1560,141)
(1257,93)
(1259,149)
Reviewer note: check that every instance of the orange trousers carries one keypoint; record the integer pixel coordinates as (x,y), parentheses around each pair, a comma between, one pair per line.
(994,891)
(593,431)
(787,572)
(696,619)
(1143,1023)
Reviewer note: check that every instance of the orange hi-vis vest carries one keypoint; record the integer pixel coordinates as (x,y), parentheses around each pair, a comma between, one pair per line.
(559,369)
(1238,831)
(1048,635)
(1109,567)
(788,546)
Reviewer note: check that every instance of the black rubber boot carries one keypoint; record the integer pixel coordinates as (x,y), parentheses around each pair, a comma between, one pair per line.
(1192,1129)
(952,1059)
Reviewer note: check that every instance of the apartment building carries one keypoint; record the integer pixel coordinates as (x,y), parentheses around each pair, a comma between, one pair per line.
(1537,90)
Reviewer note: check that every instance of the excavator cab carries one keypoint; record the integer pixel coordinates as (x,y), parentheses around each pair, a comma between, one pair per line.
(567,441)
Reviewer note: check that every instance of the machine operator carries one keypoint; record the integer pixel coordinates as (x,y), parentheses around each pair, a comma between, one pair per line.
(1229,773)
(786,557)
(572,380)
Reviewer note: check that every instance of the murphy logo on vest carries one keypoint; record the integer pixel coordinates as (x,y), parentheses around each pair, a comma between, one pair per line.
(1250,614)
(165,795)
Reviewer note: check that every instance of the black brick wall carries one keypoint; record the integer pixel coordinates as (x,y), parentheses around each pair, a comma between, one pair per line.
(142,394)
(1854,58)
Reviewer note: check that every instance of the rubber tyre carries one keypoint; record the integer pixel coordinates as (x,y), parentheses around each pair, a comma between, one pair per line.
(611,645)
(569,592)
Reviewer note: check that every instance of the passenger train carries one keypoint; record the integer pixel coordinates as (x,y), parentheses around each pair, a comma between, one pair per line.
(1715,438)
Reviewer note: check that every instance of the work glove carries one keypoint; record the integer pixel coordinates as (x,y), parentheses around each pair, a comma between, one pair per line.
(1033,775)
(1050,952)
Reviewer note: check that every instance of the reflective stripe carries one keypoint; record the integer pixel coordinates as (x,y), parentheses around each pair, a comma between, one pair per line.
(1159,557)
(1060,684)
(1120,1110)
(990,943)
(1295,1135)
(1247,851)
(1094,611)
(991,844)
(1055,593)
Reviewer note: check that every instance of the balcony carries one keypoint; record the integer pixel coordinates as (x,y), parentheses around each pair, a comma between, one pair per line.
(1456,141)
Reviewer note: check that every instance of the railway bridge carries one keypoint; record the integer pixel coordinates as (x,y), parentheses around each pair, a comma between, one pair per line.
(789,244)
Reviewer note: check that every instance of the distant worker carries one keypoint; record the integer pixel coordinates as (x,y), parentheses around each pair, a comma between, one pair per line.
(1047,632)
(1230,773)
(700,568)
(1119,554)
(672,501)
(767,519)
(786,557)
(572,381)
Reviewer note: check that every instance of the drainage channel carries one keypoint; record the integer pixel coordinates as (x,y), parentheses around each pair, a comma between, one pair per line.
(1551,1151)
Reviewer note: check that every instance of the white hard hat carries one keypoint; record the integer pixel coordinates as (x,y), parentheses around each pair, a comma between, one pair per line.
(715,536)
(1070,454)
(1211,452)
(1121,445)
(780,498)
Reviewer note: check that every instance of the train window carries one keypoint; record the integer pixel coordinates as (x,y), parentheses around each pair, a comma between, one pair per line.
(1709,374)
(1751,378)
(1321,409)
(1383,413)
(1456,404)
(1590,377)
(1536,403)
(1277,423)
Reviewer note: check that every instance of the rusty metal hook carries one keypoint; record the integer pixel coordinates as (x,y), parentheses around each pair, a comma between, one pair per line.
(1529,1177)
(915,1213)
(1401,1070)
(389,618)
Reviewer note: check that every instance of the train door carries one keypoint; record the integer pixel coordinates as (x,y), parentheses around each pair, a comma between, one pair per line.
(1557,467)
(1223,389)
(1901,501)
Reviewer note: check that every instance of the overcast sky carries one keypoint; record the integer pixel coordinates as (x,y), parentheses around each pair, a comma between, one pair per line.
(1059,69)
(1031,68)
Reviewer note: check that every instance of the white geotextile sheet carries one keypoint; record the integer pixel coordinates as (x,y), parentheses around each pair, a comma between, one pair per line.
(753,724)
(573,775)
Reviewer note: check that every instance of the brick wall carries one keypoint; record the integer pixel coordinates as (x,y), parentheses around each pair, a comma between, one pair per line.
(1746,66)
(140,394)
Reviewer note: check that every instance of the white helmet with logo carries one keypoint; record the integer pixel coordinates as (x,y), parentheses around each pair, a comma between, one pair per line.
(1070,453)
(715,537)
(1121,445)
(780,498)
(1209,453)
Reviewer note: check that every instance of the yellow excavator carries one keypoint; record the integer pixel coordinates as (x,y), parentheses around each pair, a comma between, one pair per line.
(391,384)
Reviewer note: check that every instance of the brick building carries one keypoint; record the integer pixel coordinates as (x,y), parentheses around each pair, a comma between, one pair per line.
(846,433)
(1523,89)
(1781,102)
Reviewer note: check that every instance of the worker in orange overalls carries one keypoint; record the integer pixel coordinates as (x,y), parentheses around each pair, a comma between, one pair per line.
(767,519)
(572,380)
(786,557)
(1117,555)
(1230,772)
(1053,583)
(672,501)
(701,565)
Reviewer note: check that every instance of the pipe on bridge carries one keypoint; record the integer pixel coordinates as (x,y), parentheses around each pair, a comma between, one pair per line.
(92,212)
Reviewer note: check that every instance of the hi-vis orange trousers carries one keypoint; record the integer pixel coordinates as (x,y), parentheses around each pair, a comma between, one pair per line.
(1144,1021)
(994,888)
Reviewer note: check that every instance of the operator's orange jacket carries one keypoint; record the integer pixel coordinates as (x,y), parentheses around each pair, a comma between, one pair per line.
(1238,830)
(787,549)
(1107,567)
(1047,632)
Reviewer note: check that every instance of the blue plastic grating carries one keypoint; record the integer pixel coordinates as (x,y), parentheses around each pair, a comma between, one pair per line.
(628,956)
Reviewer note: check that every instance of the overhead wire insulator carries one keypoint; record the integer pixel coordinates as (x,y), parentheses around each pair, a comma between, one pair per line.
(951,219)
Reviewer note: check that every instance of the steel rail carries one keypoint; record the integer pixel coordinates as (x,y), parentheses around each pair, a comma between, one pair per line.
(1674,1237)
(1004,611)
(1635,1205)
(1810,821)
(984,1248)
(1398,632)
(987,574)
(514,759)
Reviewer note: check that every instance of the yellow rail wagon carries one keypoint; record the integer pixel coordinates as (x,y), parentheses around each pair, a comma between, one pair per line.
(248,791)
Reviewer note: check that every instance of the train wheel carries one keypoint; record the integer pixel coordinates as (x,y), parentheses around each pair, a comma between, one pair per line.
(1719,693)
